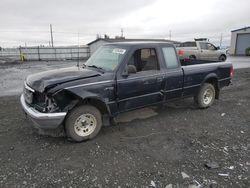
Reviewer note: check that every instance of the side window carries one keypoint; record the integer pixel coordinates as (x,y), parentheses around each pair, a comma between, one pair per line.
(170,57)
(211,46)
(144,60)
(203,45)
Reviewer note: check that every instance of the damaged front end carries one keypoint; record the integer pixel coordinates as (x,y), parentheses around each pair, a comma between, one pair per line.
(42,109)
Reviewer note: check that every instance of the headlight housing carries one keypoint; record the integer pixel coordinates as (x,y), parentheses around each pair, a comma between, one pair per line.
(28,93)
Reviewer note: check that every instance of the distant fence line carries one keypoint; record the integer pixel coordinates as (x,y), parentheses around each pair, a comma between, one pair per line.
(44,53)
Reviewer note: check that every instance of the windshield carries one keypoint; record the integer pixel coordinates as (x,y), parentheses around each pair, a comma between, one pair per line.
(106,58)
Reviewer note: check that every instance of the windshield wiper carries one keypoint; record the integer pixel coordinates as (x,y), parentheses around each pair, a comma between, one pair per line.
(94,66)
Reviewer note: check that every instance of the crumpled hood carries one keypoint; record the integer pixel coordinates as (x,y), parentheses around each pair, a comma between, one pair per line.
(41,81)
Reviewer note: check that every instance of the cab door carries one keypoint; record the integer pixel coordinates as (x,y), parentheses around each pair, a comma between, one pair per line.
(173,86)
(213,53)
(204,52)
(145,85)
(208,51)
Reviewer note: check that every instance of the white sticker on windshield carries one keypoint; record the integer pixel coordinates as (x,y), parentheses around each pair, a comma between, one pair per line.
(119,51)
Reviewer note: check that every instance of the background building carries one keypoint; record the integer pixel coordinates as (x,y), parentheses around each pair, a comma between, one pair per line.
(240,41)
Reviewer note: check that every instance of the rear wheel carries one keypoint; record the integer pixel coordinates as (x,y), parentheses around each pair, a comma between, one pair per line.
(192,57)
(206,96)
(83,123)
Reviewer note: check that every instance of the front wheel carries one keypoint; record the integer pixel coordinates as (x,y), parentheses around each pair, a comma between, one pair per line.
(206,96)
(83,123)
(222,58)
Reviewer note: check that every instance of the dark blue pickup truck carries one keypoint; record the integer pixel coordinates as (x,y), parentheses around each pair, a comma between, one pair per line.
(118,77)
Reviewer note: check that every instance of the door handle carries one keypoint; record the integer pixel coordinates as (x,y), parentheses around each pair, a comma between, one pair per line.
(159,79)
(145,82)
(109,89)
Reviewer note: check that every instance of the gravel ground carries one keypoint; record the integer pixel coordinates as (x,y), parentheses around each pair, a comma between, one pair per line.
(165,147)
(12,75)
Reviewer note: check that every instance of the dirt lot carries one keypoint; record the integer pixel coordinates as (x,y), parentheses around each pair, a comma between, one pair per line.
(13,75)
(168,147)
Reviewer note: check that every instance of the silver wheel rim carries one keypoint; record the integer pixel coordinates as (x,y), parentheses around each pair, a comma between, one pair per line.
(208,96)
(85,125)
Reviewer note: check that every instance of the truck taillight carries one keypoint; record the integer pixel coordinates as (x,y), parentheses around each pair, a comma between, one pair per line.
(232,71)
(181,52)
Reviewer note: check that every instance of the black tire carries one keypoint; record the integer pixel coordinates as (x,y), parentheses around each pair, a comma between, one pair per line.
(222,58)
(192,57)
(75,126)
(206,96)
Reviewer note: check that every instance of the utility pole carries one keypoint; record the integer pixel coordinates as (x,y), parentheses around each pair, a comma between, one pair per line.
(221,37)
(170,34)
(121,32)
(51,36)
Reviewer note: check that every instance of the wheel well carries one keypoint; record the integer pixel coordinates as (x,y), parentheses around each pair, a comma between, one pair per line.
(100,105)
(214,82)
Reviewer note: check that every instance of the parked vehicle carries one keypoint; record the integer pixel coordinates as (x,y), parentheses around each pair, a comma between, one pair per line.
(117,78)
(201,50)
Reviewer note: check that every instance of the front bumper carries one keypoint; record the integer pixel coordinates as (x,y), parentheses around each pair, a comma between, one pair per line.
(43,120)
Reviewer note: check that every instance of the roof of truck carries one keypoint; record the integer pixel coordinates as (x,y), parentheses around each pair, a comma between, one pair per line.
(111,40)
(141,43)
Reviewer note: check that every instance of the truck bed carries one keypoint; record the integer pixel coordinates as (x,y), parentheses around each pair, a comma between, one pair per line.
(187,62)
(194,75)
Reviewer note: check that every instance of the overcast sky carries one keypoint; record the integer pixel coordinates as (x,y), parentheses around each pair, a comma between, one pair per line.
(27,21)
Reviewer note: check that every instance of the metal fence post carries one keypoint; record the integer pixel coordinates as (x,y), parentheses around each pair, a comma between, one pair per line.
(20,53)
(22,57)
(55,54)
(89,52)
(71,53)
(38,51)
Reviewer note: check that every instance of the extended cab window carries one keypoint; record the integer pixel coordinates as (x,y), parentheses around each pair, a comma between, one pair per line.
(207,46)
(144,60)
(170,57)
(211,46)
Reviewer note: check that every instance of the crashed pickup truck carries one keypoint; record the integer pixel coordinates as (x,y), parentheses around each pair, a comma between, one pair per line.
(118,77)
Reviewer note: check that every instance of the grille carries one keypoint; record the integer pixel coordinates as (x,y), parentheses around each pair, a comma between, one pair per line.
(39,98)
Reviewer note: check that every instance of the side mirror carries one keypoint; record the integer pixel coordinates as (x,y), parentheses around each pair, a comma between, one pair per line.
(129,69)
(217,48)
